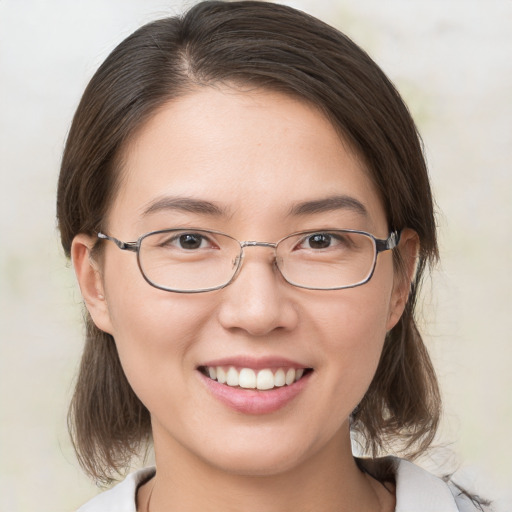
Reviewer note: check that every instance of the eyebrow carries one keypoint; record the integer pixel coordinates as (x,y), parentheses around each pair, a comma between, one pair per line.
(185,204)
(328,204)
(203,207)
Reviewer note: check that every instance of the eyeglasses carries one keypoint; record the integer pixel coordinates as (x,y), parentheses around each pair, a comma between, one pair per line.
(185,260)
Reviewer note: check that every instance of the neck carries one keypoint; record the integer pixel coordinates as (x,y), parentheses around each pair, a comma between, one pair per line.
(327,481)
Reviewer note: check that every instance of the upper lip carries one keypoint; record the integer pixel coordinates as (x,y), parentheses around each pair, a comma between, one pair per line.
(256,363)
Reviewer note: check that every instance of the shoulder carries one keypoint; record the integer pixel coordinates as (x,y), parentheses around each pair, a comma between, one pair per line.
(122,497)
(418,490)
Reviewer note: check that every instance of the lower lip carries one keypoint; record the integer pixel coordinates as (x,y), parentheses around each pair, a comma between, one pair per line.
(251,401)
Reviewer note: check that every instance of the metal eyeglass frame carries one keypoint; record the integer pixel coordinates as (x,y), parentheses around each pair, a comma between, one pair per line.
(380,244)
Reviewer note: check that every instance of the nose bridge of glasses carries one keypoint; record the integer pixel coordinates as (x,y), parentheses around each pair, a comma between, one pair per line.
(237,262)
(252,243)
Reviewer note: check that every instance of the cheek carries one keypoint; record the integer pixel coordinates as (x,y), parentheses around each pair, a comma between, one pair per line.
(154,330)
(355,319)
(142,314)
(353,324)
(356,338)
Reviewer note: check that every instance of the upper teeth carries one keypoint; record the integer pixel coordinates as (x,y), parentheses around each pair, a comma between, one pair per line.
(254,379)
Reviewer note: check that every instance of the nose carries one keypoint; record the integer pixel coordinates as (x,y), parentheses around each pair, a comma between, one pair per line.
(258,301)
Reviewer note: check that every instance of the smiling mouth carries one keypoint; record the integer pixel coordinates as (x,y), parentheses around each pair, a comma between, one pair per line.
(247,378)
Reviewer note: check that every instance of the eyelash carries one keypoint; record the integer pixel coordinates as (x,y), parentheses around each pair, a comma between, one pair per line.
(176,240)
(331,236)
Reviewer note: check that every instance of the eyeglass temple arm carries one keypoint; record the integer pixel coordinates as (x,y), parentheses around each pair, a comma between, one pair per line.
(125,246)
(390,243)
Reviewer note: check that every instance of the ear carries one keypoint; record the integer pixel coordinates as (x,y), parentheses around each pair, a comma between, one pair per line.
(409,247)
(90,281)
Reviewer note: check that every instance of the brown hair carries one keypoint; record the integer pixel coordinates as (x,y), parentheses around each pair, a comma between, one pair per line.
(263,45)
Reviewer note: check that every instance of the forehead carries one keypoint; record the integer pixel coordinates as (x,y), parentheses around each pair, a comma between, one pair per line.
(254,154)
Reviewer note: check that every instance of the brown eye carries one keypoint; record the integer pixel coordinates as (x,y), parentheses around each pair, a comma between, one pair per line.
(185,242)
(190,241)
(318,241)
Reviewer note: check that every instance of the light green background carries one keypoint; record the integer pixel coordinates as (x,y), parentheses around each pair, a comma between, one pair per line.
(451,59)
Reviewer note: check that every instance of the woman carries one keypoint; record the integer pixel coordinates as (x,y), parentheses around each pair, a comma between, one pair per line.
(271,183)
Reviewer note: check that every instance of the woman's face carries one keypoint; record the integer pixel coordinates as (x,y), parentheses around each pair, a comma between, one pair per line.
(254,156)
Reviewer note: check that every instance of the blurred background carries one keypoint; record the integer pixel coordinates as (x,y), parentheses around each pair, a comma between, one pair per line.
(450,59)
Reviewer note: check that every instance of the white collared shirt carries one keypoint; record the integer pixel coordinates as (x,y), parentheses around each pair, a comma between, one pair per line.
(416,491)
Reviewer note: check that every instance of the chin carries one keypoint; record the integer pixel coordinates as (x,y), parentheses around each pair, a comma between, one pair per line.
(255,463)
(264,452)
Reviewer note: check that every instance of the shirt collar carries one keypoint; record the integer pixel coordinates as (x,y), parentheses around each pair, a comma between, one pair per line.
(419,491)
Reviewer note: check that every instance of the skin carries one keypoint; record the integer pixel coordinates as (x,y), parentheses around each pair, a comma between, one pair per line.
(254,154)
